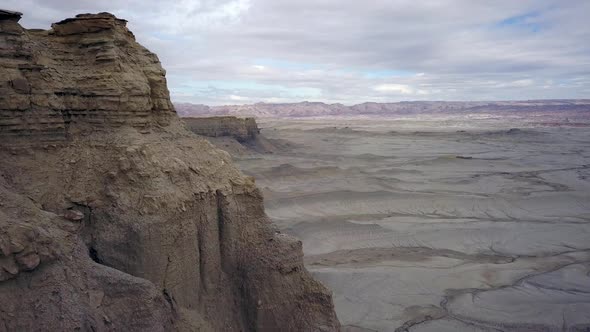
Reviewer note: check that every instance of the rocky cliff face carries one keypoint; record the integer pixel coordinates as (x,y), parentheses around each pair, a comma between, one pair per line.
(88,70)
(112,215)
(242,129)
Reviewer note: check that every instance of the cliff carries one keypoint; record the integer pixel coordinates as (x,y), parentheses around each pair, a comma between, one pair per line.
(242,129)
(112,215)
(88,69)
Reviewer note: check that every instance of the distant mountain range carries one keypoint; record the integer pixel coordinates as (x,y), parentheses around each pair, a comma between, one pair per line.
(570,108)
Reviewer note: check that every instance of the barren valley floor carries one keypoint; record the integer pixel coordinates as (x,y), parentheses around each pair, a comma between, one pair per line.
(436,225)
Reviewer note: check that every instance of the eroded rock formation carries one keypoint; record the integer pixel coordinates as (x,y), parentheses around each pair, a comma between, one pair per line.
(242,129)
(88,69)
(112,215)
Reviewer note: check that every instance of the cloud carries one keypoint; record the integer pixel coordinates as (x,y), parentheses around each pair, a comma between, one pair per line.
(398,88)
(516,84)
(354,51)
(238,98)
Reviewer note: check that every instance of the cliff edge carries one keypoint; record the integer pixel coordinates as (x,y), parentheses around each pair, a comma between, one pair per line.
(112,215)
(242,129)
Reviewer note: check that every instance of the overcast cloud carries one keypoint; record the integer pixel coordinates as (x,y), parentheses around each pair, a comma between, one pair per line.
(351,51)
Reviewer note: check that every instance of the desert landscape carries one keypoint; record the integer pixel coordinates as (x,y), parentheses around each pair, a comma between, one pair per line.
(297,166)
(435,224)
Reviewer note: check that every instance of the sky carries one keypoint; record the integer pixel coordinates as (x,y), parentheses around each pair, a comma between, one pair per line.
(350,51)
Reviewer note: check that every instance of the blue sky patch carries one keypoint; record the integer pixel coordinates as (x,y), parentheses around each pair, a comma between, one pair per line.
(529,21)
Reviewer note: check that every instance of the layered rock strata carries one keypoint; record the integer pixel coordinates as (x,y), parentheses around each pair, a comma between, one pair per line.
(84,70)
(241,129)
(112,215)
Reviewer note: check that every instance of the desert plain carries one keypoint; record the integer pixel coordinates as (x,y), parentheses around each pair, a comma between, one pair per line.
(436,223)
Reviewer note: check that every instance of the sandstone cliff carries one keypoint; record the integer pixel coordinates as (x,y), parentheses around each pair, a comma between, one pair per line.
(112,215)
(242,129)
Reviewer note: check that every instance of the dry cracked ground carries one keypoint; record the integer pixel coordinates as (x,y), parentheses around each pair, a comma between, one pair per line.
(439,225)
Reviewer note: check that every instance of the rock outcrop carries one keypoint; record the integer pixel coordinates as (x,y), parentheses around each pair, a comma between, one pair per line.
(113,216)
(88,70)
(241,129)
